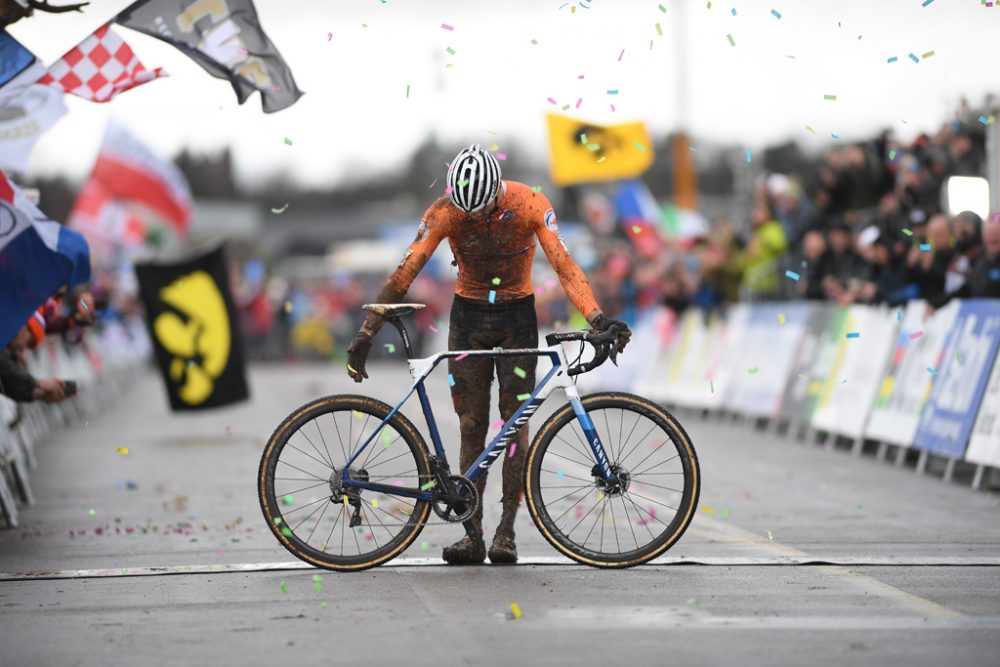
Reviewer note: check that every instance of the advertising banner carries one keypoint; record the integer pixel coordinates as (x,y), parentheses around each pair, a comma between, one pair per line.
(984,446)
(796,400)
(962,370)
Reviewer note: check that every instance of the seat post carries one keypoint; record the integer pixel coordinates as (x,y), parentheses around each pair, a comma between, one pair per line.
(396,322)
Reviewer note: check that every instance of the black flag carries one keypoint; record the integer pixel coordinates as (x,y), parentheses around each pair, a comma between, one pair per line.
(225,38)
(192,322)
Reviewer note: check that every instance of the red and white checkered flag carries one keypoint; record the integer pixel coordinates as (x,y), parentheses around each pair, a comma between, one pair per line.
(99,67)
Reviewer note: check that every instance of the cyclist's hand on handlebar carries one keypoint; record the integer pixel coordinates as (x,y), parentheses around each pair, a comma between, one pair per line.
(357,354)
(602,323)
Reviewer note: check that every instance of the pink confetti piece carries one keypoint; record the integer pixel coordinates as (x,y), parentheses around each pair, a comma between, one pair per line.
(501,156)
(578,512)
(445,26)
(612,107)
(461,356)
(620,55)
(497,424)
(580,77)
(447,190)
(329,36)
(432,328)
(916,334)
(579,102)
(513,448)
(552,101)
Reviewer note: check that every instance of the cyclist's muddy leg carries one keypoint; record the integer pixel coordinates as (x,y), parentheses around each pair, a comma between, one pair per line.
(470,395)
(513,385)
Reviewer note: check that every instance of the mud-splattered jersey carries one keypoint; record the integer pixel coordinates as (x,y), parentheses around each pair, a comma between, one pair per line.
(494,255)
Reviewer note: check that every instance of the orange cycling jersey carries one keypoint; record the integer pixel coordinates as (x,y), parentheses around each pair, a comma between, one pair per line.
(494,255)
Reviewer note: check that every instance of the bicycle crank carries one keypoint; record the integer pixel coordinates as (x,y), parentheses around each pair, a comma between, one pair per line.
(458,502)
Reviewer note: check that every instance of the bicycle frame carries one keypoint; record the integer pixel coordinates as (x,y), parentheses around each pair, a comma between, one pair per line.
(556,378)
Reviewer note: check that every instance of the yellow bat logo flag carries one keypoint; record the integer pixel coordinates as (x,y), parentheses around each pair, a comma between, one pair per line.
(587,153)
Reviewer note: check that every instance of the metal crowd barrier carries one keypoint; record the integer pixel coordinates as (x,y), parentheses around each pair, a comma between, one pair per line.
(916,386)
(103,365)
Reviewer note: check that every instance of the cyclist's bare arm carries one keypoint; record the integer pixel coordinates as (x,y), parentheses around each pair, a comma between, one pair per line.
(429,236)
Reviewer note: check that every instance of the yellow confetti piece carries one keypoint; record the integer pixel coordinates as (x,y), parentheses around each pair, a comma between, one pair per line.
(927,55)
(659,30)
(781,318)
(429,485)
(810,129)
(346,502)
(494,147)
(523,397)
(707,509)
(515,611)
(375,503)
(122,450)
(358,415)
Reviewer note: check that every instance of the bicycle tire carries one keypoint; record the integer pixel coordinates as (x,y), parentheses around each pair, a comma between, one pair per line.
(269,502)
(565,416)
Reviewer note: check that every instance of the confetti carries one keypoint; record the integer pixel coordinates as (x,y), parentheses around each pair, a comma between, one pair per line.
(579,102)
(445,26)
(461,356)
(752,371)
(984,120)
(288,142)
(501,156)
(659,30)
(925,247)
(520,372)
(407,90)
(914,58)
(908,232)
(642,149)
(523,397)
(810,129)
(329,36)
(552,101)
(429,485)
(892,59)
(916,334)
(536,189)
(92,512)
(493,296)
(711,386)
(613,91)
(451,380)
(959,358)
(390,348)
(288,499)
(497,424)
(122,450)
(781,318)
(450,51)
(732,42)
(770,536)
(932,371)
(733,10)
(318,583)
(792,275)
(892,154)
(623,52)
(323,605)
(636,229)
(286,531)
(283,588)
(725,512)
(927,55)
(926,2)
(277,521)
(496,281)
(534,42)
(834,136)
(424,545)
(662,8)
(830,97)
(693,601)
(707,510)
(775,14)
(748,155)
(899,315)
(279,211)
(513,448)
(854,334)
(515,611)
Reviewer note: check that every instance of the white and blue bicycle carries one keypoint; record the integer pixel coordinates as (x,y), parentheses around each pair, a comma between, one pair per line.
(347,482)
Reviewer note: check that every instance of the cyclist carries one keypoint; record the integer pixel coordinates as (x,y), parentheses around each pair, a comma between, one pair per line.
(491,226)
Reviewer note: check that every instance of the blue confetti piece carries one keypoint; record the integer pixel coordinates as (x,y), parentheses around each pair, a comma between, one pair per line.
(792,275)
(451,380)
(984,120)
(734,11)
(892,60)
(925,247)
(613,91)
(926,2)
(493,296)
(775,14)
(914,58)
(932,371)
(994,274)
(748,155)
(835,135)
(899,315)
(854,334)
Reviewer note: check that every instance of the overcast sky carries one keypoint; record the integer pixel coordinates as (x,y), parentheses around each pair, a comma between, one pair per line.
(355,116)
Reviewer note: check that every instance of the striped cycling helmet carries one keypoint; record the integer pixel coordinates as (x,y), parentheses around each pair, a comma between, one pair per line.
(473,178)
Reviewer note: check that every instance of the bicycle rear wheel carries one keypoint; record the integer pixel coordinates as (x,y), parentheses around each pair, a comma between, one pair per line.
(613,528)
(307,507)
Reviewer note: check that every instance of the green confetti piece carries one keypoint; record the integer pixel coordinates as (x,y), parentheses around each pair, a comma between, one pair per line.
(317,577)
(830,97)
(693,602)
(536,189)
(593,147)
(523,397)
(288,142)
(520,372)
(908,232)
(429,485)
(752,371)
(390,347)
(277,521)
(534,42)
(288,499)
(959,358)
(425,543)
(496,281)
(286,531)
(279,211)
(463,182)
(725,512)
(662,8)
(92,512)
(450,51)
(732,42)
(318,586)
(770,536)
(386,437)
(323,605)
(283,588)
(636,229)
(642,149)
(583,138)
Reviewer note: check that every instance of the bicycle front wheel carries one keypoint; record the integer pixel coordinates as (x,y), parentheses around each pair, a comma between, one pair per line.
(617,527)
(315,516)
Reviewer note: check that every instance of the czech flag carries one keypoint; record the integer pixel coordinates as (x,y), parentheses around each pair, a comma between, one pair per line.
(37,257)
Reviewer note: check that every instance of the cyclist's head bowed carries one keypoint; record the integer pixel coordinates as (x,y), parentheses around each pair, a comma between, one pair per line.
(473,179)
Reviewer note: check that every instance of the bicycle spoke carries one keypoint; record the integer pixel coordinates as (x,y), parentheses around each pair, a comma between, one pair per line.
(556,520)
(585,451)
(638,417)
(292,493)
(599,517)
(324,463)
(302,507)
(635,481)
(647,457)
(336,426)
(639,495)
(321,437)
(311,514)
(630,527)
(646,471)
(318,521)
(622,460)
(315,448)
(584,517)
(572,460)
(578,488)
(305,472)
(588,481)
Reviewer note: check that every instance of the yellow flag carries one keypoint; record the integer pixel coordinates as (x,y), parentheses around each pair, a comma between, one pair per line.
(585,153)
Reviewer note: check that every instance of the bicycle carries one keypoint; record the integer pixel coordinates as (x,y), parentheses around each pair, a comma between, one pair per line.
(570,459)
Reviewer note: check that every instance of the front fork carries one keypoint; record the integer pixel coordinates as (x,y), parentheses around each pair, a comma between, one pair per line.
(593,440)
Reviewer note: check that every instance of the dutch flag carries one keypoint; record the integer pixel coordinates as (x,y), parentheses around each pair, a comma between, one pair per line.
(37,257)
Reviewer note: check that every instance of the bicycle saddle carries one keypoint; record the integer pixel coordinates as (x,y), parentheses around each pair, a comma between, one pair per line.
(392,309)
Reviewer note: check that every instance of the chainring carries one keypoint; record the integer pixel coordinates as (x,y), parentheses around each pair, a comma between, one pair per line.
(462,508)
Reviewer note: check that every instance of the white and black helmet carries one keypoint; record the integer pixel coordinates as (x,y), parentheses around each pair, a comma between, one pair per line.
(474,178)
